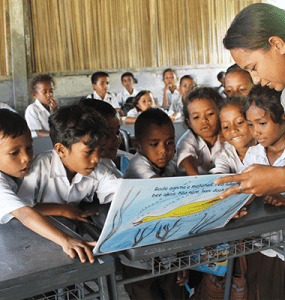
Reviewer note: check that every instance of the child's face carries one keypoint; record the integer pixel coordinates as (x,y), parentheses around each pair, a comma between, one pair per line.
(234,127)
(114,141)
(101,86)
(186,85)
(80,158)
(203,118)
(128,82)
(16,154)
(261,126)
(169,78)
(145,102)
(265,67)
(44,92)
(238,84)
(158,144)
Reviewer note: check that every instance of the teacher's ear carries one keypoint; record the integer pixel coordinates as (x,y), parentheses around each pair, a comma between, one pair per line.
(278,43)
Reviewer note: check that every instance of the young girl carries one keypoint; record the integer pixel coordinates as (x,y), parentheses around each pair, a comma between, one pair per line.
(266,121)
(199,147)
(142,101)
(165,96)
(108,112)
(37,113)
(237,135)
(128,80)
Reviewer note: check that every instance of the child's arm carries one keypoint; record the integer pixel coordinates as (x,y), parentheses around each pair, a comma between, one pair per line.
(42,133)
(190,165)
(63,210)
(39,224)
(131,120)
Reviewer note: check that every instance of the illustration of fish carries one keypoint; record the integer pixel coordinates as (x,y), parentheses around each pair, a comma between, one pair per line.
(184,210)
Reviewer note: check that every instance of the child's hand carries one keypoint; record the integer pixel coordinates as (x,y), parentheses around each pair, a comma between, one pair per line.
(71,246)
(242,212)
(52,105)
(180,275)
(277,200)
(76,214)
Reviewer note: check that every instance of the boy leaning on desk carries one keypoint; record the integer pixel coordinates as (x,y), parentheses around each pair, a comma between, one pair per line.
(57,180)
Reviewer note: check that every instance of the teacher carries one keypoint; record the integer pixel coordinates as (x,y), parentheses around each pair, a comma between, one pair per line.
(256,40)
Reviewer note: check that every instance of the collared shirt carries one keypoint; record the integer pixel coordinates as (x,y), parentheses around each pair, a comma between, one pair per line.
(133,113)
(109,98)
(124,95)
(228,161)
(9,201)
(47,182)
(189,145)
(176,106)
(169,96)
(141,167)
(37,116)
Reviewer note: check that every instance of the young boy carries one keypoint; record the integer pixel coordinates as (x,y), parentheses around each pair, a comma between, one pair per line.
(176,109)
(100,84)
(15,161)
(61,178)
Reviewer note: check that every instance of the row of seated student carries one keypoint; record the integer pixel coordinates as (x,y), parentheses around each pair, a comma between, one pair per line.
(221,138)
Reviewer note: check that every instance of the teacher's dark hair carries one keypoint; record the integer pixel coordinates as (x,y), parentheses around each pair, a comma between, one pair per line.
(254,25)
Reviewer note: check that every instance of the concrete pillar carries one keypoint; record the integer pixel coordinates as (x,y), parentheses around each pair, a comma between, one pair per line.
(19,61)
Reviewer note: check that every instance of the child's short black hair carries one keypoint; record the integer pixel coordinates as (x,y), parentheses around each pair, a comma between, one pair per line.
(220,75)
(130,75)
(70,123)
(168,70)
(267,99)
(201,93)
(105,109)
(186,77)
(234,100)
(40,78)
(150,116)
(12,124)
(138,96)
(95,76)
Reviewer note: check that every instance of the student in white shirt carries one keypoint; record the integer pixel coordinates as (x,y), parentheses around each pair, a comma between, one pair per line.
(200,146)
(128,80)
(170,80)
(37,113)
(113,142)
(15,161)
(60,179)
(100,83)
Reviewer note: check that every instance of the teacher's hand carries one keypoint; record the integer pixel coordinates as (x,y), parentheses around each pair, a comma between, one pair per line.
(256,179)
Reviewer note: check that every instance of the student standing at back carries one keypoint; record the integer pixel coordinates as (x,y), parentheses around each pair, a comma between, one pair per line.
(170,80)
(199,147)
(37,114)
(128,80)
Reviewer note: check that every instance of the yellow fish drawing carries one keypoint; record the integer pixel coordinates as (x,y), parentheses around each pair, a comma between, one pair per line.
(184,210)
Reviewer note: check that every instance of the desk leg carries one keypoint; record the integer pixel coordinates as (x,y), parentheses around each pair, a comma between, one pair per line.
(229,275)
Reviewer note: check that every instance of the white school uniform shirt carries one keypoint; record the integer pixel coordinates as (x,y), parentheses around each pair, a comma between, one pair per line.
(47,182)
(124,95)
(110,166)
(169,96)
(257,155)
(37,116)
(6,106)
(9,201)
(189,145)
(176,107)
(109,98)
(133,113)
(141,167)
(228,161)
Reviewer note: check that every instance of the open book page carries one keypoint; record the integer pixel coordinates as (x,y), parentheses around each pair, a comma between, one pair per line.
(149,211)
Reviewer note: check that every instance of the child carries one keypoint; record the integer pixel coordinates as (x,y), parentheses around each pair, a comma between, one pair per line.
(237,135)
(142,101)
(266,121)
(176,109)
(199,147)
(128,81)
(221,79)
(154,141)
(15,161)
(237,82)
(170,79)
(100,84)
(113,142)
(61,178)
(37,114)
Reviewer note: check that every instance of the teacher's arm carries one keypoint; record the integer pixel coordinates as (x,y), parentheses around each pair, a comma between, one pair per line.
(259,180)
